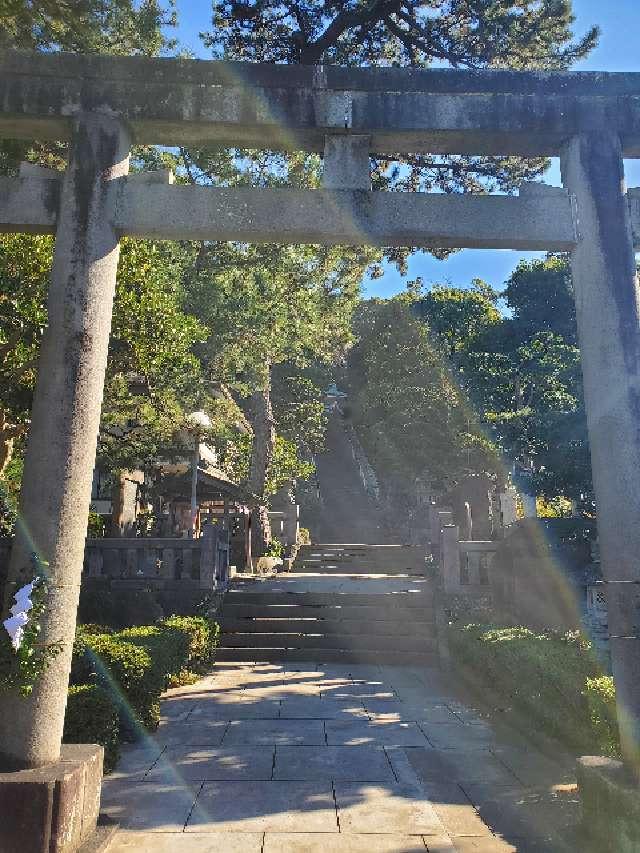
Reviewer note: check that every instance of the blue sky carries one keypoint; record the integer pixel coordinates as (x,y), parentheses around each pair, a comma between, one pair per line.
(619,22)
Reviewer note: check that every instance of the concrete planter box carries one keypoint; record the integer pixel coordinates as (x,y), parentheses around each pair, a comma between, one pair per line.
(610,806)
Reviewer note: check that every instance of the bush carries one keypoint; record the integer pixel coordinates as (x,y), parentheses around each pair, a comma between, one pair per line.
(167,646)
(601,699)
(202,634)
(542,678)
(127,672)
(92,717)
(134,666)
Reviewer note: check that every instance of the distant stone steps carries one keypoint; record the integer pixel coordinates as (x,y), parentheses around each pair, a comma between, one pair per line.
(360,559)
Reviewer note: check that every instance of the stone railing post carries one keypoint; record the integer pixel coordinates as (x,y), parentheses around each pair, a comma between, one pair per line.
(450,557)
(608,315)
(208,556)
(60,458)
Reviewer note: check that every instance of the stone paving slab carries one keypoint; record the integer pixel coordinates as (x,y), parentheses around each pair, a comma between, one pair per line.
(192,732)
(385,808)
(435,765)
(543,816)
(264,807)
(363,692)
(458,736)
(532,768)
(199,764)
(327,763)
(272,732)
(148,806)
(278,692)
(470,845)
(136,759)
(210,842)
(321,709)
(264,709)
(453,807)
(352,843)
(359,732)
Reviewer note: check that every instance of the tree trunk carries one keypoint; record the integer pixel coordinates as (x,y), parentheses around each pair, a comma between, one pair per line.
(264,436)
(8,434)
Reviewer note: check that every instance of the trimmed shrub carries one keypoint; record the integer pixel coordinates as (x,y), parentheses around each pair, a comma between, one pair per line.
(134,666)
(542,678)
(127,672)
(203,635)
(92,717)
(601,699)
(167,646)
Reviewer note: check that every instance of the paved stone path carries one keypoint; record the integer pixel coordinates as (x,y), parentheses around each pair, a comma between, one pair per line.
(268,758)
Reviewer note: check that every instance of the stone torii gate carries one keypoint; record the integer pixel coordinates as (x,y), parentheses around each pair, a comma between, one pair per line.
(101,105)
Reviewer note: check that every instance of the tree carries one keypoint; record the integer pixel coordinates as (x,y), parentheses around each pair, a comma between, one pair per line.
(153,376)
(411,417)
(265,306)
(521,371)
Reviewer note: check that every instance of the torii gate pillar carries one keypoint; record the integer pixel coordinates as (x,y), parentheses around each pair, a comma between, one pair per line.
(608,314)
(60,458)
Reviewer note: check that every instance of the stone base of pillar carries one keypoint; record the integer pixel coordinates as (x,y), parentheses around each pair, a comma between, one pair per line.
(53,809)
(610,806)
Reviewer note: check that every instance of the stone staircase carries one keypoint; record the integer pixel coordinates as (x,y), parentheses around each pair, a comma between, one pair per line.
(329,611)
(361,559)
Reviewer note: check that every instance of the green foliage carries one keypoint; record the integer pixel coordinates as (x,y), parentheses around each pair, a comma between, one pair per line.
(601,699)
(92,717)
(409,414)
(521,371)
(137,664)
(20,668)
(274,549)
(127,671)
(520,33)
(304,537)
(95,525)
(202,636)
(548,683)
(86,26)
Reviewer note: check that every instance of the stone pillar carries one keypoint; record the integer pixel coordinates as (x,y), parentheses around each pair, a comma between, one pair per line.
(450,557)
(346,163)
(608,314)
(56,486)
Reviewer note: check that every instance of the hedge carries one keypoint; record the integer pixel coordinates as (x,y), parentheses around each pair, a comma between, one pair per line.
(601,699)
(92,717)
(549,682)
(203,635)
(136,665)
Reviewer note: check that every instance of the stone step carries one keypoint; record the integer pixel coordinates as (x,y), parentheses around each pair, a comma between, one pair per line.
(357,569)
(359,613)
(392,658)
(389,627)
(400,600)
(348,642)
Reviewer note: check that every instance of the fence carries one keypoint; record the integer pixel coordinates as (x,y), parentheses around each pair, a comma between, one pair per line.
(203,561)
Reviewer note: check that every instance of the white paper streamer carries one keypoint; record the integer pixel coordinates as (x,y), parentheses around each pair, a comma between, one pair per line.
(15,625)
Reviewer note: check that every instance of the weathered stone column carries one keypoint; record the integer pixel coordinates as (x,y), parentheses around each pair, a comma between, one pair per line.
(56,487)
(608,313)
